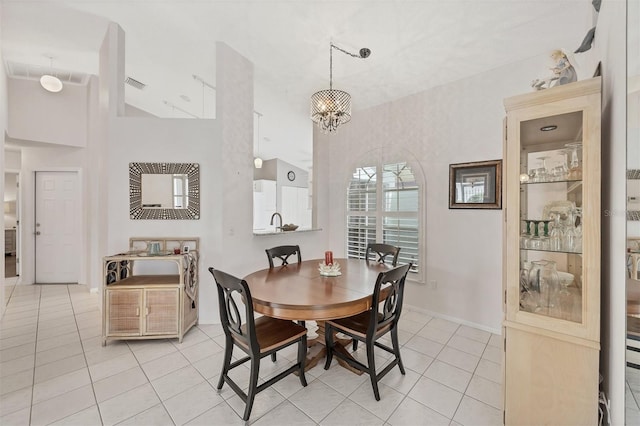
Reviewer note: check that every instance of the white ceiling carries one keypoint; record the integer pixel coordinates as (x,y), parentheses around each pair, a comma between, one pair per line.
(415,44)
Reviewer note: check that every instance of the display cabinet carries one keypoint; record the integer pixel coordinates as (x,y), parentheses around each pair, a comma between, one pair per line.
(151,291)
(552,255)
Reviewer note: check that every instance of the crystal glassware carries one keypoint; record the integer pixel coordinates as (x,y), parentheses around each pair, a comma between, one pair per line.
(542,173)
(535,242)
(578,229)
(544,238)
(556,235)
(575,168)
(543,277)
(565,297)
(525,236)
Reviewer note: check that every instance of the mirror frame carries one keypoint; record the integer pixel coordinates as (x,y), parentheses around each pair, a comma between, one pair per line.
(137,212)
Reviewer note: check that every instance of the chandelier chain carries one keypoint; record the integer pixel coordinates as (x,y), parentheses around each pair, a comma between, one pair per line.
(331,108)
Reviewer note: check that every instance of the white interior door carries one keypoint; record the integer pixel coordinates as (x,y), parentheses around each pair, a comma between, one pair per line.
(57,227)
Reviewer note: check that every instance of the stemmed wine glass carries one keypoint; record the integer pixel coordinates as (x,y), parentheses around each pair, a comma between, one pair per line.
(556,236)
(535,242)
(526,235)
(575,169)
(542,173)
(544,238)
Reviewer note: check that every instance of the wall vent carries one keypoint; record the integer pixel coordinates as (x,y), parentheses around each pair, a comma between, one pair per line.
(135,83)
(34,72)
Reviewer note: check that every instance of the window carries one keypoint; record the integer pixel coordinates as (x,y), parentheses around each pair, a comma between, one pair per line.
(384,210)
(180,191)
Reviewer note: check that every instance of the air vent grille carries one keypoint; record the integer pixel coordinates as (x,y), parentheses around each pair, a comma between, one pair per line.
(135,83)
(34,72)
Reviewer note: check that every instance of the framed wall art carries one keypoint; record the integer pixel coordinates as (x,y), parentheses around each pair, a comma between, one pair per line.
(476,185)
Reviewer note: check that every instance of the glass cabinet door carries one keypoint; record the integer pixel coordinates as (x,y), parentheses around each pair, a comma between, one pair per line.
(552,180)
(551,216)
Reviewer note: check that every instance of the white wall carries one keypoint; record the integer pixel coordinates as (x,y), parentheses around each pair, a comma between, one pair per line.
(609,47)
(282,125)
(4,108)
(38,115)
(156,140)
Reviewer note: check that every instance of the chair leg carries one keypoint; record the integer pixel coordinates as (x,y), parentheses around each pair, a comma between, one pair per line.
(228,351)
(396,348)
(328,343)
(372,369)
(273,357)
(253,385)
(355,344)
(302,359)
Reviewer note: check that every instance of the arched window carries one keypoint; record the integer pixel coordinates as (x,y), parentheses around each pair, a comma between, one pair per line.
(383,205)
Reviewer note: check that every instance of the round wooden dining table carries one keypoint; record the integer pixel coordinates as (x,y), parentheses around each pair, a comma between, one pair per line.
(298,292)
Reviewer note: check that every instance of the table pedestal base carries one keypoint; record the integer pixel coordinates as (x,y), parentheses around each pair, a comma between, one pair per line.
(317,350)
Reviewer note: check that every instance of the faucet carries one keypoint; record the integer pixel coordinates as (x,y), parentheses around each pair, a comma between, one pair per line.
(273,216)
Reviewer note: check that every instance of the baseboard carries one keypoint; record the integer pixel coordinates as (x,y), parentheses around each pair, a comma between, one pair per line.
(452,319)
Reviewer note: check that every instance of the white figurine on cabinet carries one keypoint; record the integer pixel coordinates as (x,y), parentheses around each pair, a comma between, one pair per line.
(563,72)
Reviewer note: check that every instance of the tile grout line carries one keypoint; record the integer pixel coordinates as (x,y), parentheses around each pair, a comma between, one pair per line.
(151,384)
(35,353)
(84,355)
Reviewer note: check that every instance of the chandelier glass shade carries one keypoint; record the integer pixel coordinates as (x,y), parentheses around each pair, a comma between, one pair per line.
(330,108)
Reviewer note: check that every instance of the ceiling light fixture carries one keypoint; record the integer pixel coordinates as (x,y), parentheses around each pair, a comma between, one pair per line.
(257,161)
(331,108)
(50,82)
(548,128)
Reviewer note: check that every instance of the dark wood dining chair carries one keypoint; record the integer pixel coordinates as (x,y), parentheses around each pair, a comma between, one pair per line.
(382,251)
(257,337)
(283,253)
(371,325)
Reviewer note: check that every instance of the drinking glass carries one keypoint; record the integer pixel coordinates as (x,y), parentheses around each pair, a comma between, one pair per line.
(578,229)
(542,173)
(575,168)
(569,236)
(543,278)
(535,242)
(556,236)
(565,299)
(544,238)
(529,298)
(526,235)
(558,173)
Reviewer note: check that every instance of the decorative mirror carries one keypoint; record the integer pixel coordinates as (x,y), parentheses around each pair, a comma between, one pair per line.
(164,191)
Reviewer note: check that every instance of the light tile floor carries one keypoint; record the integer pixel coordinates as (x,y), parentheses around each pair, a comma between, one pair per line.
(54,370)
(632,396)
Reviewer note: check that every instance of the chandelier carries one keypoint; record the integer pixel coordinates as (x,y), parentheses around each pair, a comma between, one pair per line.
(331,108)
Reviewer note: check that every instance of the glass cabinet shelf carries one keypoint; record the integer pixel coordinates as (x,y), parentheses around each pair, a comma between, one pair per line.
(551,181)
(551,251)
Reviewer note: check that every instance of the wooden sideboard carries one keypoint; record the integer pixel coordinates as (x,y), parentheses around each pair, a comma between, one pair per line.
(139,304)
